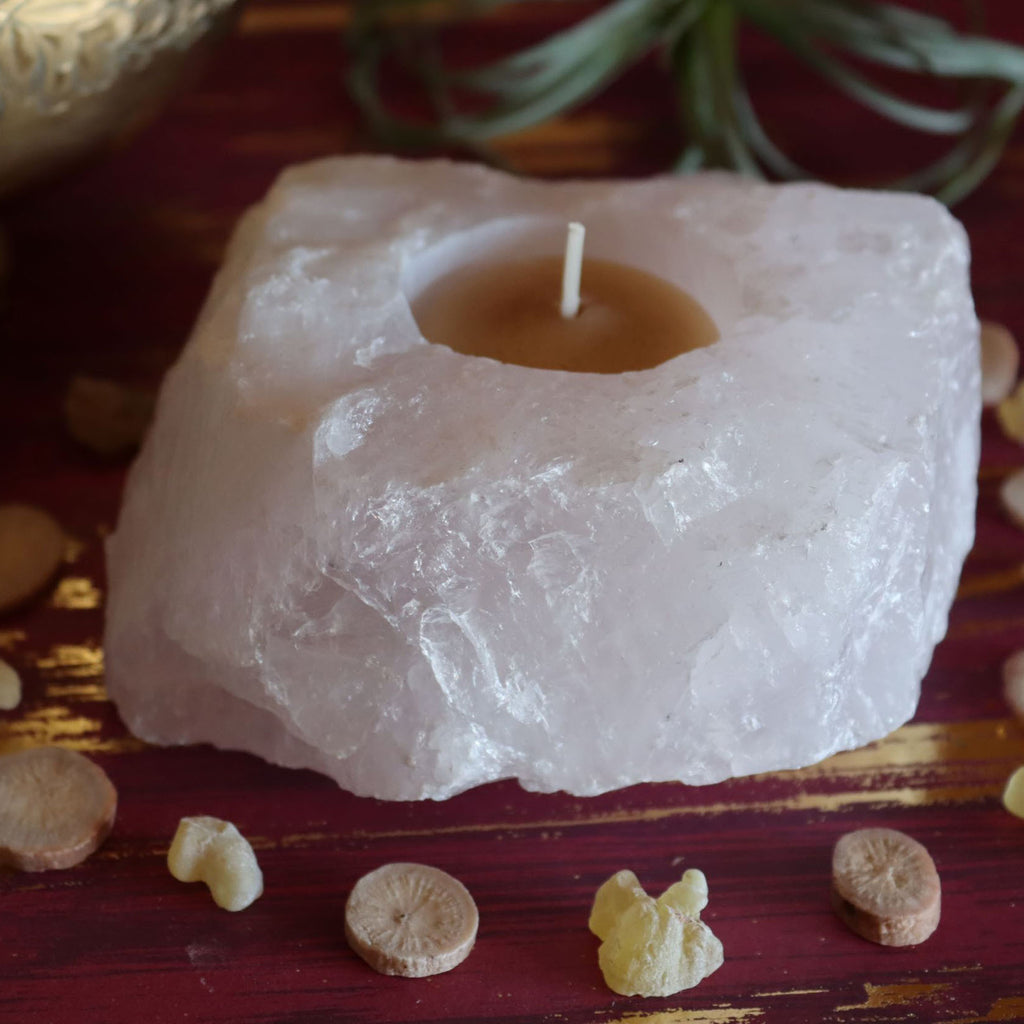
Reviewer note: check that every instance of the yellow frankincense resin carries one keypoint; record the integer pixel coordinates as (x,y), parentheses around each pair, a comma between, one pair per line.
(654,947)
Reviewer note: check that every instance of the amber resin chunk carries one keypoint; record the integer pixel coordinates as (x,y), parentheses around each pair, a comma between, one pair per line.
(1013,793)
(207,849)
(654,947)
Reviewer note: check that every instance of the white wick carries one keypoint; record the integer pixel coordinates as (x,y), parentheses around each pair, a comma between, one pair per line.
(572,269)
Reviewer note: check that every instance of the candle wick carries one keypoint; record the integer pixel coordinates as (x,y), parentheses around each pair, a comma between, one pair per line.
(572,268)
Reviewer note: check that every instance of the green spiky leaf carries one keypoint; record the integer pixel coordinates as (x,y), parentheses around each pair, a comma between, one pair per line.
(697,39)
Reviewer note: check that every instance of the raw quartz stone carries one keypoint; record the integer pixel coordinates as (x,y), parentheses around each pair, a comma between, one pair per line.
(345,548)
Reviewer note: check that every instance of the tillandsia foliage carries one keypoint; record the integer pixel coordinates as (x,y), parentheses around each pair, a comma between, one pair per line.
(698,43)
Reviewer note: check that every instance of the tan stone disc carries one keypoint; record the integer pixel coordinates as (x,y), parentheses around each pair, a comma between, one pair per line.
(1013,683)
(56,807)
(31,550)
(411,920)
(1000,362)
(885,886)
(10,687)
(106,417)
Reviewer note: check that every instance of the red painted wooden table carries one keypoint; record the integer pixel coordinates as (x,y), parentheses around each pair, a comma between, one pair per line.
(111,264)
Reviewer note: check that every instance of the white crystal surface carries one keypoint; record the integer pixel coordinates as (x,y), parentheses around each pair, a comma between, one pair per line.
(345,548)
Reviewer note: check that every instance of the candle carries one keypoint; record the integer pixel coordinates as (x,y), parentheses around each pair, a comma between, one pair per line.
(509,310)
(350,547)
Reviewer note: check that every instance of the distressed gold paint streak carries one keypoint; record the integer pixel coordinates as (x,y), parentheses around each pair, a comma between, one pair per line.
(1007,1008)
(996,473)
(580,130)
(592,152)
(299,840)
(927,744)
(986,627)
(303,839)
(997,582)
(925,796)
(88,692)
(59,726)
(296,841)
(52,724)
(262,842)
(77,661)
(307,18)
(77,593)
(790,992)
(593,156)
(126,849)
(717,1015)
(10,638)
(897,994)
(334,16)
(84,744)
(73,549)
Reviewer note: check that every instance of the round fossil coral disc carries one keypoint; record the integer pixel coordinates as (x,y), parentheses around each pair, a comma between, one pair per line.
(411,920)
(885,886)
(31,550)
(56,808)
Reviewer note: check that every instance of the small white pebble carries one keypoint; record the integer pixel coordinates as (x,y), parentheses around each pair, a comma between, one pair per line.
(1013,683)
(1013,794)
(1000,362)
(1011,494)
(10,687)
(209,850)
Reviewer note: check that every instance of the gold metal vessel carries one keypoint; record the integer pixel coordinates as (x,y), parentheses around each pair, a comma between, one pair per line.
(75,74)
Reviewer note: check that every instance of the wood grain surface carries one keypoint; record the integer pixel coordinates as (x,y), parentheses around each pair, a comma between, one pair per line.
(110,266)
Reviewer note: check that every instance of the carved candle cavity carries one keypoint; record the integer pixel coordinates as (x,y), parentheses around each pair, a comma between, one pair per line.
(417,569)
(508,310)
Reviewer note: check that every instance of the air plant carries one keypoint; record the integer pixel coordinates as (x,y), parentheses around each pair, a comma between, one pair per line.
(698,42)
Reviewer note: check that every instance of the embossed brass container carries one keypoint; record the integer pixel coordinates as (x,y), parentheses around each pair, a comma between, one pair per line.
(75,74)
